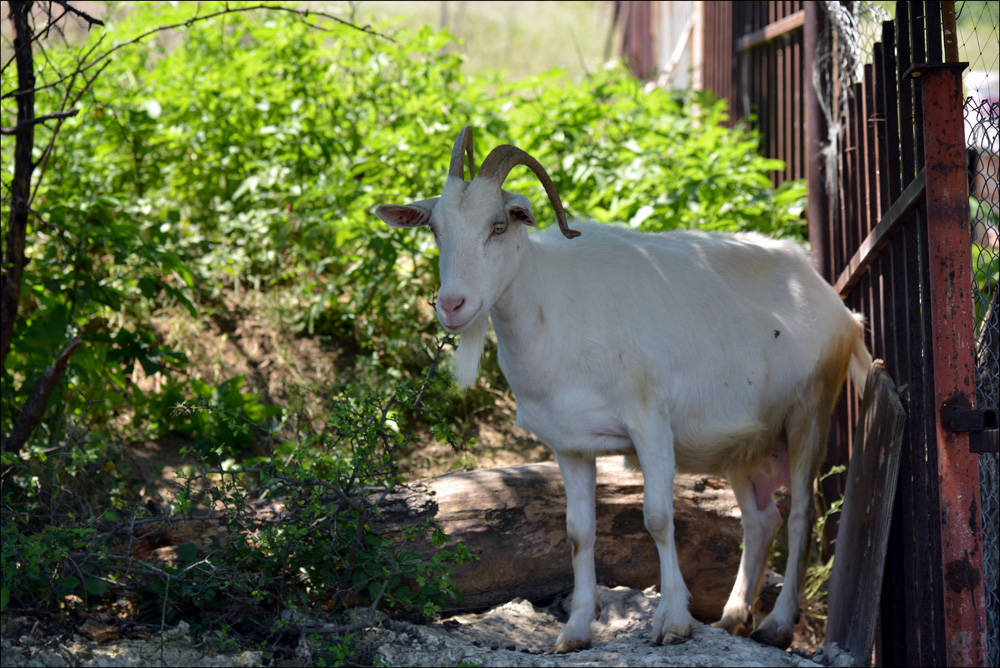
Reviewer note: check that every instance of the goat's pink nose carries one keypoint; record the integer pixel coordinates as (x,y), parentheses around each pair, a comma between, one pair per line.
(452,303)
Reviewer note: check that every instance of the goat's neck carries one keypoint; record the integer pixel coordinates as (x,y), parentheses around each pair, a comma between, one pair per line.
(518,315)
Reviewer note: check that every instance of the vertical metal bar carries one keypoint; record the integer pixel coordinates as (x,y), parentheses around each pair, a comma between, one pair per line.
(750,58)
(893,646)
(918,55)
(750,62)
(893,175)
(881,186)
(781,92)
(856,222)
(738,76)
(890,106)
(880,128)
(846,193)
(935,55)
(914,641)
(904,642)
(950,31)
(909,160)
(817,201)
(797,167)
(927,517)
(954,366)
(768,80)
(870,217)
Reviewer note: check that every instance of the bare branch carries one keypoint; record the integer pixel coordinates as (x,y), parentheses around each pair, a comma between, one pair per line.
(31,415)
(43,162)
(38,119)
(34,38)
(305,14)
(83,15)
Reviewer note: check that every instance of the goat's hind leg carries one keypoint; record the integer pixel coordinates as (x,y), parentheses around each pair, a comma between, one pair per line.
(805,450)
(579,473)
(759,528)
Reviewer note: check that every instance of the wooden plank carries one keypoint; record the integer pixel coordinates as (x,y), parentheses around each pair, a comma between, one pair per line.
(862,539)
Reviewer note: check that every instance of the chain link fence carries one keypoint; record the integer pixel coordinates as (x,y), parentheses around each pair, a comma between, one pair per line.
(978,39)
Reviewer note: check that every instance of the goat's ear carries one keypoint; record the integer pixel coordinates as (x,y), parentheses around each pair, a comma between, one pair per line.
(415,214)
(519,209)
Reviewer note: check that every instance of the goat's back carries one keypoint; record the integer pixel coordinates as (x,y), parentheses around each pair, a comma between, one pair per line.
(731,331)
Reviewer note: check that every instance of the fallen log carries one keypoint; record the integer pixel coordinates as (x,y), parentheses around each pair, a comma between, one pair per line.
(514,520)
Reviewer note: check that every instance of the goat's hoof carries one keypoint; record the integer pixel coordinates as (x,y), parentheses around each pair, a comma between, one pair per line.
(733,625)
(672,635)
(780,638)
(571,642)
(564,645)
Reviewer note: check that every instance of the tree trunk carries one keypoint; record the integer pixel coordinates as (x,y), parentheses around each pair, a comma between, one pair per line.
(20,188)
(514,520)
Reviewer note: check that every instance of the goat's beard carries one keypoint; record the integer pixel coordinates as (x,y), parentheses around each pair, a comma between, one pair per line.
(470,350)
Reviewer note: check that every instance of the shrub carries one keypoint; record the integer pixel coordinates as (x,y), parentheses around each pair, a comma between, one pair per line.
(251,157)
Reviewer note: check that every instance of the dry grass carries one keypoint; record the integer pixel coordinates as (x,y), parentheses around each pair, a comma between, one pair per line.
(518,38)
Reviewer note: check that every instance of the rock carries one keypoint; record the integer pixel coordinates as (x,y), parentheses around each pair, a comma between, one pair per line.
(521,634)
(98,631)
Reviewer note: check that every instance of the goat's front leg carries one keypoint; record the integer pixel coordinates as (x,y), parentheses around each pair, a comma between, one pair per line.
(579,474)
(672,621)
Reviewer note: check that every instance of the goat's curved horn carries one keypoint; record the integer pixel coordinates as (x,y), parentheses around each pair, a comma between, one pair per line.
(504,158)
(463,145)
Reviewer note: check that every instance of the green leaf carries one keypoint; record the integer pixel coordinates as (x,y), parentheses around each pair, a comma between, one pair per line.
(187,552)
(67,586)
(373,589)
(96,587)
(148,287)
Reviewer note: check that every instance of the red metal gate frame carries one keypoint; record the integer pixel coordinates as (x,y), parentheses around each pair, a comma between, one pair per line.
(900,253)
(952,327)
(938,194)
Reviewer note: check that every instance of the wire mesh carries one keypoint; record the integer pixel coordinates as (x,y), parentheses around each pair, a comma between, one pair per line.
(978,37)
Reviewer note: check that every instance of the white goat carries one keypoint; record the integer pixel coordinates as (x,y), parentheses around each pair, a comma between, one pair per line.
(718,354)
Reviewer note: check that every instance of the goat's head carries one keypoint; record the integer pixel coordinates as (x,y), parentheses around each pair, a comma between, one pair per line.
(478,227)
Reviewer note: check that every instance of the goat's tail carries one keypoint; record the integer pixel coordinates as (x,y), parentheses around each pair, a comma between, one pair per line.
(861,359)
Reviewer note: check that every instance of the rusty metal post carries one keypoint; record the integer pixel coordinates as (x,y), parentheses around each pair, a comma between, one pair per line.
(954,366)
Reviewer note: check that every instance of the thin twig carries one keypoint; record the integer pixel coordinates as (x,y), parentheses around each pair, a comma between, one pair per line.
(34,38)
(196,19)
(36,120)
(43,162)
(82,14)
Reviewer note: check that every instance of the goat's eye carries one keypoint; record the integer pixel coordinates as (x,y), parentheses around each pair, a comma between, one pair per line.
(499,228)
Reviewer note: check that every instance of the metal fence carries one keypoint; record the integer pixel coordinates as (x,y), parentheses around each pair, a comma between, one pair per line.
(763,75)
(890,223)
(898,246)
(982,133)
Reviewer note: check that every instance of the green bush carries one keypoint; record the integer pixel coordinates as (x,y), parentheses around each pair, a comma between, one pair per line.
(317,553)
(250,157)
(254,154)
